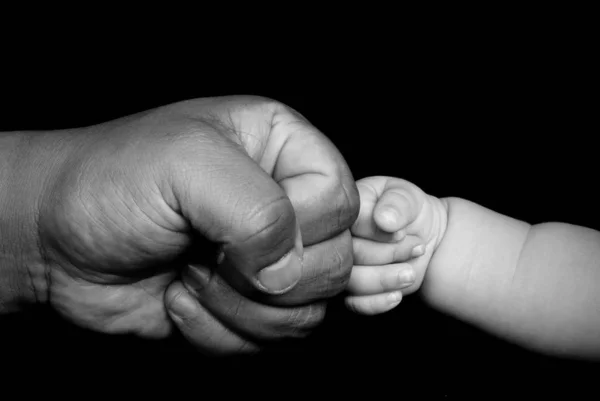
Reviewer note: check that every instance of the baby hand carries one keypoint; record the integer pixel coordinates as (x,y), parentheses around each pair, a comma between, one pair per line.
(397,231)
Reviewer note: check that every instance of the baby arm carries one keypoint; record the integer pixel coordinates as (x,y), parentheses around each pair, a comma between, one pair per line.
(538,286)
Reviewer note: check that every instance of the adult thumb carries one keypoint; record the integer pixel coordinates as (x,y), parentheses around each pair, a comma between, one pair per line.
(231,201)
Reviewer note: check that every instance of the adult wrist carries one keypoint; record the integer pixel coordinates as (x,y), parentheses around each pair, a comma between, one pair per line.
(28,161)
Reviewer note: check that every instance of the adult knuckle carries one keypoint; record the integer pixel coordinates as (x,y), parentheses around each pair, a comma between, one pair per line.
(260,105)
(347,203)
(271,220)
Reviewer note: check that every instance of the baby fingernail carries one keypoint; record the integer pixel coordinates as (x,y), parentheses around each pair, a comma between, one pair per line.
(394,297)
(390,215)
(418,250)
(406,278)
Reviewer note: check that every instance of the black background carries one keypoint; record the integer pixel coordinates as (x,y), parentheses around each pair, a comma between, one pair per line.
(505,120)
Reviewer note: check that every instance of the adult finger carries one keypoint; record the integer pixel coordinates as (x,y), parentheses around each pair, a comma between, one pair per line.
(200,327)
(316,179)
(242,315)
(230,200)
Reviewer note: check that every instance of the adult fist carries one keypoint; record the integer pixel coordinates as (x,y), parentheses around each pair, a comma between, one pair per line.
(227,216)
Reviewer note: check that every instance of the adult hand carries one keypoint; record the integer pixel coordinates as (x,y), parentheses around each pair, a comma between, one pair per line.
(228,217)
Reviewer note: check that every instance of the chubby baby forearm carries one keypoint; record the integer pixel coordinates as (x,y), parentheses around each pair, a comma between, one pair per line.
(538,286)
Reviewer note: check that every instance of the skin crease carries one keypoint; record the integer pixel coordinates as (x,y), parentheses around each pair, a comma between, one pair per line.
(533,285)
(132,214)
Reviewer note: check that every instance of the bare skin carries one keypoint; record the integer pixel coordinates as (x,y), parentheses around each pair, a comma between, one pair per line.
(535,285)
(213,216)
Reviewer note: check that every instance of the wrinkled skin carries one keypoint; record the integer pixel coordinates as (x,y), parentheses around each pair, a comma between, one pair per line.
(163,219)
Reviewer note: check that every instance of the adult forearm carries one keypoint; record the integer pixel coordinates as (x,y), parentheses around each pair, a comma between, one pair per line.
(27,161)
(13,283)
